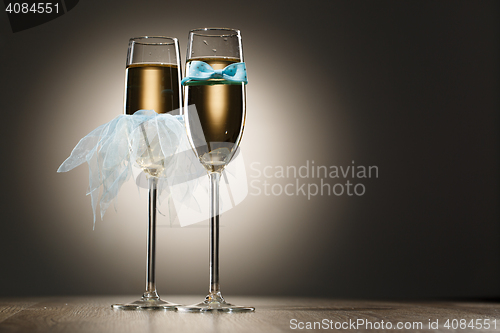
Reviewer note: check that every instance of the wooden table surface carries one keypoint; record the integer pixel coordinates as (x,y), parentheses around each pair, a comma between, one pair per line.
(94,314)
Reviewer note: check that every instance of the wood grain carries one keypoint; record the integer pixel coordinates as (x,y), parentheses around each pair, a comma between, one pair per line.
(94,314)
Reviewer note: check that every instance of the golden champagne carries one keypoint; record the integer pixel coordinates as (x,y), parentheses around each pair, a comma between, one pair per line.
(152,87)
(220,109)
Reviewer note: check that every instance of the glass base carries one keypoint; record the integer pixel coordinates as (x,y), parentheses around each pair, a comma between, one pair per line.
(153,303)
(215,303)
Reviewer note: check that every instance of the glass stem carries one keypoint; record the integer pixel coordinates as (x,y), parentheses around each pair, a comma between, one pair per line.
(214,291)
(151,256)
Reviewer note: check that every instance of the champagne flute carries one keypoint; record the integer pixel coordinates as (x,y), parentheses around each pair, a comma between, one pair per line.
(214,128)
(152,83)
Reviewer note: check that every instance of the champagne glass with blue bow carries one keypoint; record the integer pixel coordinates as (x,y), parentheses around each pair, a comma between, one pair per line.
(215,85)
(152,83)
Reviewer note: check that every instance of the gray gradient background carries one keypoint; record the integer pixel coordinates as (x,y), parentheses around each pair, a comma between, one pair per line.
(409,86)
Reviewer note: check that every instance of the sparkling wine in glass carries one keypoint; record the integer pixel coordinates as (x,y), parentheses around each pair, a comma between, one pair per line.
(214,128)
(152,83)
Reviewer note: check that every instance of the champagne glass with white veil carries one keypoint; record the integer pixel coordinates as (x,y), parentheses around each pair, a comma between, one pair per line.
(152,83)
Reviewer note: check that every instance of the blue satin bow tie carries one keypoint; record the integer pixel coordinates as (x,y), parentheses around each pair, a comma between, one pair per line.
(201,71)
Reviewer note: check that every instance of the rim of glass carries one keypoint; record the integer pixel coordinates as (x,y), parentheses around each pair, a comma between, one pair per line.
(154,40)
(225,32)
